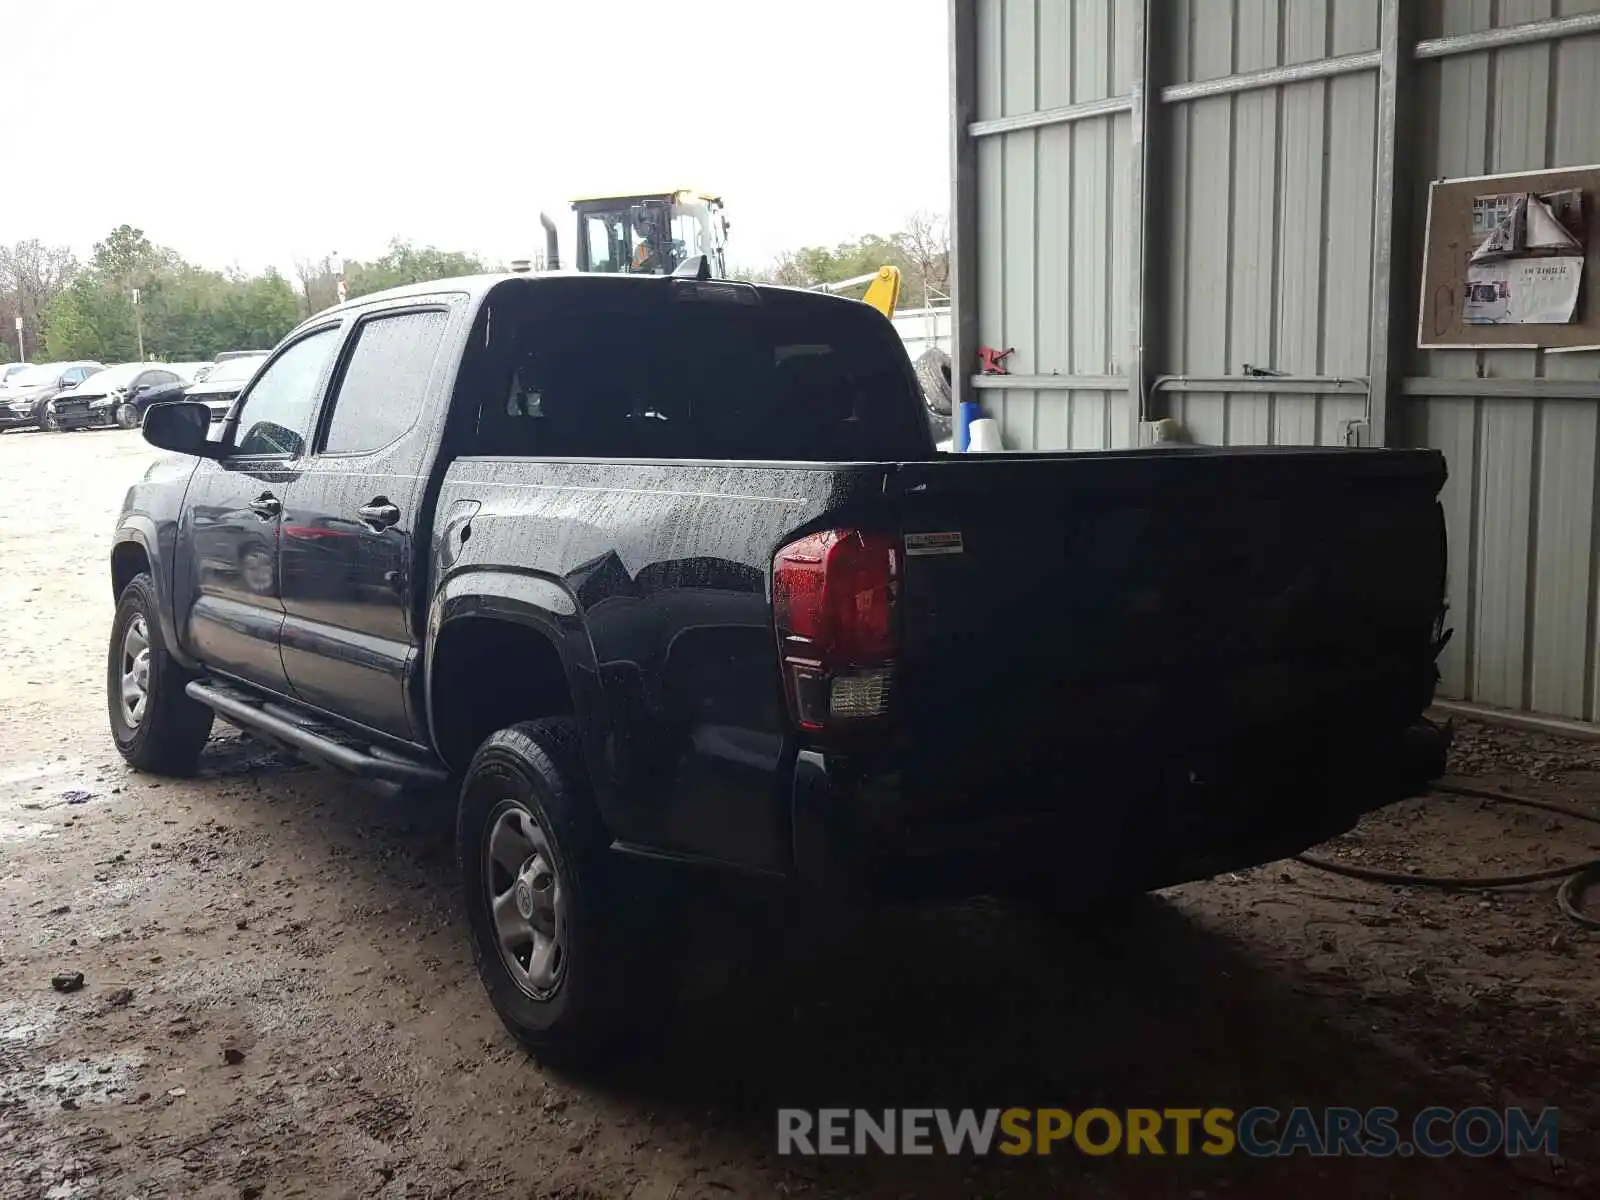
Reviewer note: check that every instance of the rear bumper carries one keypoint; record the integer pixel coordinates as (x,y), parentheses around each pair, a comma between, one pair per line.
(856,833)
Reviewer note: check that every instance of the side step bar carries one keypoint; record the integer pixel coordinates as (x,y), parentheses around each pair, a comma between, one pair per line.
(317,741)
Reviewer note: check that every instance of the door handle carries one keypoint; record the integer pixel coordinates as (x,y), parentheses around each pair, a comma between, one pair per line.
(266,505)
(380,514)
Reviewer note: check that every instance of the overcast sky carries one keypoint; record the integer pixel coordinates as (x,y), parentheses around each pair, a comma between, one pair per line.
(305,127)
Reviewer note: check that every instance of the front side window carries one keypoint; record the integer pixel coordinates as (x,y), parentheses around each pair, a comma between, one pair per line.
(384,386)
(275,414)
(604,234)
(639,240)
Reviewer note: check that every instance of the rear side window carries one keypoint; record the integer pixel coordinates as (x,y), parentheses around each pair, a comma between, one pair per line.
(386,382)
(791,378)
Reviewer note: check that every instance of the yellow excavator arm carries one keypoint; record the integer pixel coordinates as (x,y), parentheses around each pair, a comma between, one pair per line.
(883,288)
(883,293)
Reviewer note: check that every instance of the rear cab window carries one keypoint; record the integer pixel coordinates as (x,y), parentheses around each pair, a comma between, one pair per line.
(627,372)
(385,381)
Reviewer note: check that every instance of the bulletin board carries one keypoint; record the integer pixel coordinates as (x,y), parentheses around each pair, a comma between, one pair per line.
(1450,241)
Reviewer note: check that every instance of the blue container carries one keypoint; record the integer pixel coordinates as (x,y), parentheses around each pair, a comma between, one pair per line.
(961,435)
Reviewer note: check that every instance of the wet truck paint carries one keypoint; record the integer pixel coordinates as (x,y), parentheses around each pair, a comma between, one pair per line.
(1114,663)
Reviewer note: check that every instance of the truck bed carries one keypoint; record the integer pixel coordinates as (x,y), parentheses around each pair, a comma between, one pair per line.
(1145,641)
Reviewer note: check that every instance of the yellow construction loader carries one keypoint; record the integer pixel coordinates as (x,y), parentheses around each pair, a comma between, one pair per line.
(656,233)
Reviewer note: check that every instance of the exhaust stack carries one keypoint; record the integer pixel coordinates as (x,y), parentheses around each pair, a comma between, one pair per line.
(552,243)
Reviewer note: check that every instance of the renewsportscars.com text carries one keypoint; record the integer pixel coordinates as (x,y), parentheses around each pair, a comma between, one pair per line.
(1258,1132)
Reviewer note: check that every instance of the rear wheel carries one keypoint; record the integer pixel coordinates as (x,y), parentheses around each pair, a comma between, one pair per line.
(554,937)
(157,726)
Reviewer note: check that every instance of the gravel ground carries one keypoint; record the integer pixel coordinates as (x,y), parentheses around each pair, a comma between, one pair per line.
(278,998)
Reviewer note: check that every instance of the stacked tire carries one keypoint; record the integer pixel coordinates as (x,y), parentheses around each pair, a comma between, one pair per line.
(933,375)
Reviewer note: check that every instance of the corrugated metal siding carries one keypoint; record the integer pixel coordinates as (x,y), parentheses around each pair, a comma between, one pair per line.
(1521,501)
(1270,216)
(1268,207)
(1054,228)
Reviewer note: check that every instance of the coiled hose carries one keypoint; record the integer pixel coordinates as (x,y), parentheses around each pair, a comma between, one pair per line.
(1576,881)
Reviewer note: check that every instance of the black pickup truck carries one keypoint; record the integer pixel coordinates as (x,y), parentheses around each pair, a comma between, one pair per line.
(668,569)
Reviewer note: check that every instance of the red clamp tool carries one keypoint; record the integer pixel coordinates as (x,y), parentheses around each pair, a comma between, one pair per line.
(992,361)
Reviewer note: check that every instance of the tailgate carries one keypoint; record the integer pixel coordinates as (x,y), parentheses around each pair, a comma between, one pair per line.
(1149,602)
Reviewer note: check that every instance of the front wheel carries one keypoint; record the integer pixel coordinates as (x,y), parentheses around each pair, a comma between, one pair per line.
(47,420)
(158,727)
(550,930)
(127,416)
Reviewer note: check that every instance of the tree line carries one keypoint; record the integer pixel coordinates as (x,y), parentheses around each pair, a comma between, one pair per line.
(188,313)
(183,313)
(921,251)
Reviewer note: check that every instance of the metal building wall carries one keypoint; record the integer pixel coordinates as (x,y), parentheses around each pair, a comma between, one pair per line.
(1054,224)
(1268,217)
(1152,194)
(1521,500)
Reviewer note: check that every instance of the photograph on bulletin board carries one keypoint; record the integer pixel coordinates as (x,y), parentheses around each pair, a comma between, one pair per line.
(1508,261)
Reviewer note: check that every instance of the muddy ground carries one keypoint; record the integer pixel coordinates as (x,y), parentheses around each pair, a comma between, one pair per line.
(279,999)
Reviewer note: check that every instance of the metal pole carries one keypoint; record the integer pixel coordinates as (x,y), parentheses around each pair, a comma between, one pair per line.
(1393,273)
(22,351)
(1145,270)
(963,203)
(138,324)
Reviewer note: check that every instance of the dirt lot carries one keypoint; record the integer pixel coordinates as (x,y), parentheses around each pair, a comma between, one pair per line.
(279,999)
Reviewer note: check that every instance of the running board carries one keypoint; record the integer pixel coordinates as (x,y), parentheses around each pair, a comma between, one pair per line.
(314,739)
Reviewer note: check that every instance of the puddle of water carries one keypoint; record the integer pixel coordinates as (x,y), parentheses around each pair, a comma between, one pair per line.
(46,784)
(100,1079)
(34,772)
(22,1021)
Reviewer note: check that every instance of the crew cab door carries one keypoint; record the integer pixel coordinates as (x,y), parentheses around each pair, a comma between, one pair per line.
(350,529)
(227,584)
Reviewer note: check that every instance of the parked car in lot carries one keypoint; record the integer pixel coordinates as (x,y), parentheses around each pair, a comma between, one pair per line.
(224,381)
(661,572)
(25,395)
(189,372)
(114,396)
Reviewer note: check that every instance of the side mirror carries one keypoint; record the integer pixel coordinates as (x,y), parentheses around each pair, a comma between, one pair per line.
(183,426)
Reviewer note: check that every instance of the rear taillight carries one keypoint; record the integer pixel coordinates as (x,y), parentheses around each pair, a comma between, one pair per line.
(834,598)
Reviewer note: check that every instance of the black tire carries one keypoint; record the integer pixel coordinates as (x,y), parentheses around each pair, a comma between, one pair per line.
(171,727)
(602,990)
(46,419)
(933,376)
(128,417)
(933,373)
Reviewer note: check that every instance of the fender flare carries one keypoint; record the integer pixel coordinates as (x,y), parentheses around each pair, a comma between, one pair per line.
(140,531)
(542,604)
